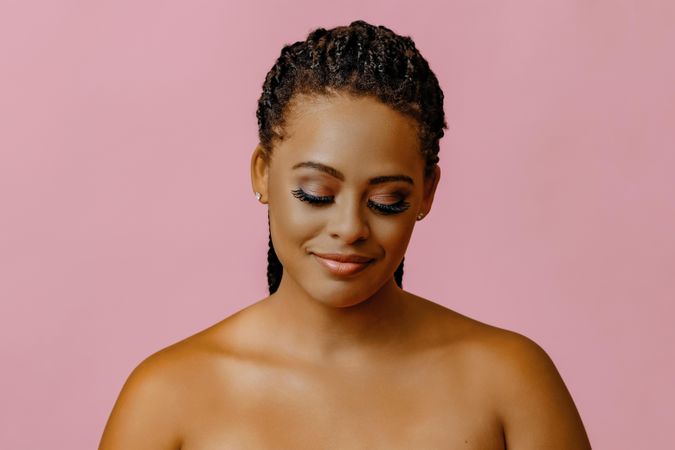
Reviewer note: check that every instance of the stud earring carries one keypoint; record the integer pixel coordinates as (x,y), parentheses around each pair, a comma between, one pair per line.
(420,216)
(258,195)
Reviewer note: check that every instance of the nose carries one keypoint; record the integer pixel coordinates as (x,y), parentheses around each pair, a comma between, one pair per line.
(348,222)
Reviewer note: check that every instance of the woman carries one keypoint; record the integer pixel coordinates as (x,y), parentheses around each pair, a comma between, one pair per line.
(339,355)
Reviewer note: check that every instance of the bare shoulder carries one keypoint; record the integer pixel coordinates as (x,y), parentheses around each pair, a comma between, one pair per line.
(515,355)
(535,407)
(526,391)
(153,406)
(145,414)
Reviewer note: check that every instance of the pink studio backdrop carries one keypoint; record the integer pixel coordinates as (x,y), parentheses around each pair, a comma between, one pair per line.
(127,220)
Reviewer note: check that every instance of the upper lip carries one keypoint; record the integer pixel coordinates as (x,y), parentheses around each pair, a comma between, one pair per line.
(341,257)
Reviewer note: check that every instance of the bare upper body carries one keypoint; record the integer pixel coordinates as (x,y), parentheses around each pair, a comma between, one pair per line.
(458,384)
(339,356)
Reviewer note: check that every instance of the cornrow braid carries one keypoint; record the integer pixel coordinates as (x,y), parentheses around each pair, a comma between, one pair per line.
(363,60)
(274,267)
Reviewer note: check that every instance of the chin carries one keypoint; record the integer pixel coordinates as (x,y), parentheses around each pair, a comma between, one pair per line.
(340,294)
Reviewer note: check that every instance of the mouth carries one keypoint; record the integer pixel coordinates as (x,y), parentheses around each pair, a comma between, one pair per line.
(342,265)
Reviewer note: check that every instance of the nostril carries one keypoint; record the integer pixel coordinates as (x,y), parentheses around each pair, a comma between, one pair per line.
(351,230)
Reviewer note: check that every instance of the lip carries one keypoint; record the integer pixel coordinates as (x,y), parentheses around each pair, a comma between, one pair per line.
(341,264)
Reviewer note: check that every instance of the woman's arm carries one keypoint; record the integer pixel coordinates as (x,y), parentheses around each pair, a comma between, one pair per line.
(145,415)
(536,409)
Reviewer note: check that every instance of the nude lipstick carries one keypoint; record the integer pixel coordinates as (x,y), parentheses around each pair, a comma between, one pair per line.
(342,265)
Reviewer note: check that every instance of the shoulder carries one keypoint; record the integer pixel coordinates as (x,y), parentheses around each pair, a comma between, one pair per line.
(526,391)
(476,342)
(496,355)
(145,413)
(153,405)
(517,357)
(513,379)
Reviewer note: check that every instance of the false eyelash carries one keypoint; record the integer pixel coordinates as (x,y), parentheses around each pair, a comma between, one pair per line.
(395,208)
(379,208)
(313,199)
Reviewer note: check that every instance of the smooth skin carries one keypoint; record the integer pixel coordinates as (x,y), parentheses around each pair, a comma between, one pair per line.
(334,362)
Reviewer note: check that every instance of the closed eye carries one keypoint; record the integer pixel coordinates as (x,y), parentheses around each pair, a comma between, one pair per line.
(380,208)
(393,208)
(313,199)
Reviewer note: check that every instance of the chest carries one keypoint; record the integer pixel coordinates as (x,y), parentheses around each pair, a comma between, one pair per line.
(302,413)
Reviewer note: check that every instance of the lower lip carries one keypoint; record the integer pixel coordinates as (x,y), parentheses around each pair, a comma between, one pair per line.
(341,268)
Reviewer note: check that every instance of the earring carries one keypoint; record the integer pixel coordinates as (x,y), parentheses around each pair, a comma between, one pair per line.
(420,216)
(258,195)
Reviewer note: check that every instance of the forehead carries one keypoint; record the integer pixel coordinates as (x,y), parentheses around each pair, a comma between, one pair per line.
(349,133)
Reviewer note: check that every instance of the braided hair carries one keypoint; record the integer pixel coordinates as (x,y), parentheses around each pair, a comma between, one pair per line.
(363,60)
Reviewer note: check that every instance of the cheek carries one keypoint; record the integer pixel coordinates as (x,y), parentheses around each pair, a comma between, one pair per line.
(291,222)
(394,235)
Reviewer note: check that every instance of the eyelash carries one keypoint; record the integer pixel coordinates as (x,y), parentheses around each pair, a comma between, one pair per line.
(380,208)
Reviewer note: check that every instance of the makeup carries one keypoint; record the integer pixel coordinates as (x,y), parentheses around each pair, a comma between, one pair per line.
(341,268)
(380,208)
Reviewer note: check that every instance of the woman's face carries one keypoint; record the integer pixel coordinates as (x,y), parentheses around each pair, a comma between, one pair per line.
(346,181)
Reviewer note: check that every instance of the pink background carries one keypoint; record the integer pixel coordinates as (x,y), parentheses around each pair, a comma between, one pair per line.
(127,219)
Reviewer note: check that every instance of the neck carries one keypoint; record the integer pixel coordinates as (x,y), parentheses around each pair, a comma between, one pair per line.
(320,331)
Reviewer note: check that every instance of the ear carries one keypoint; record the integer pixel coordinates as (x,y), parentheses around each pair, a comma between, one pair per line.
(260,172)
(430,184)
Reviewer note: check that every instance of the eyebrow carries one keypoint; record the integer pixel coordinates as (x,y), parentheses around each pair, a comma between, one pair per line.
(340,176)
